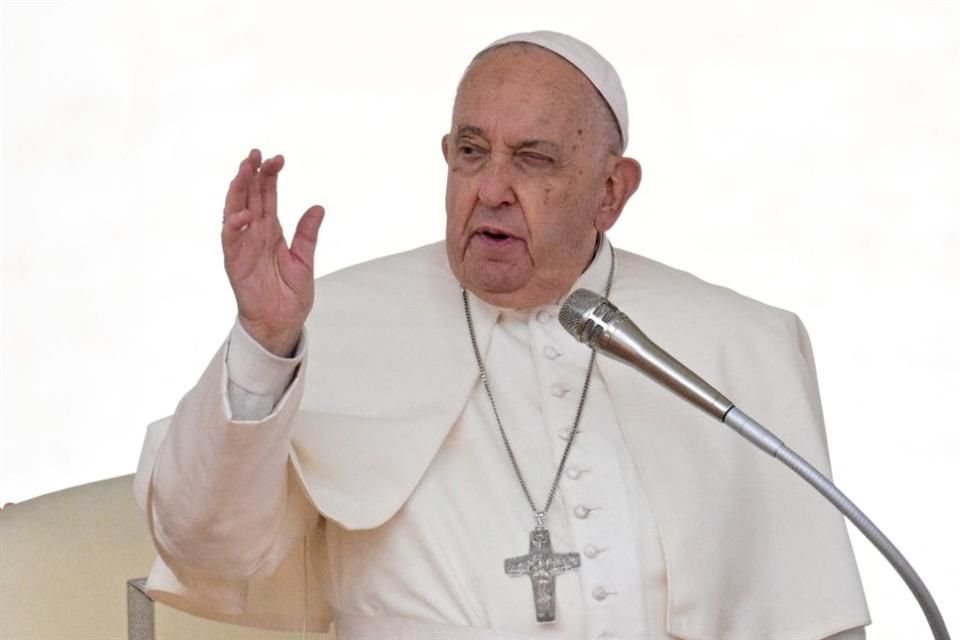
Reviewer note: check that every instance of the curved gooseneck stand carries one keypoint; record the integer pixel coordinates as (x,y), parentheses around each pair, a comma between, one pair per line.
(596,322)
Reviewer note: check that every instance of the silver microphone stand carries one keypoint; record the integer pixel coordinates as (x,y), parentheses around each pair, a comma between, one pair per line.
(596,322)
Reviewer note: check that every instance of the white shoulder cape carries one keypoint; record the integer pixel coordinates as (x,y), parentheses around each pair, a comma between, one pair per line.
(750,550)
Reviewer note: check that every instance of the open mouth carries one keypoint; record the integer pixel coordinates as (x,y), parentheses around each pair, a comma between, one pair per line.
(495,236)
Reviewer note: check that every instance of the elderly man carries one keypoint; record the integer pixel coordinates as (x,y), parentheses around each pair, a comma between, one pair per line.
(414,448)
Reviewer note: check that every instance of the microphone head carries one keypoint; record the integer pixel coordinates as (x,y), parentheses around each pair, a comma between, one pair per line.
(585,314)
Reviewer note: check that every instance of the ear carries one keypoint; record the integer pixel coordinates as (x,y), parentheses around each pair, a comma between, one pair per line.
(445,147)
(622,182)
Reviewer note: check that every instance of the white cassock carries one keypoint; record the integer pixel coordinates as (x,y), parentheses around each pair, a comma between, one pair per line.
(684,530)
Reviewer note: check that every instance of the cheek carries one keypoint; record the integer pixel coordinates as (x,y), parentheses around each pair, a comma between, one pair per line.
(460,198)
(547,198)
(560,211)
(561,222)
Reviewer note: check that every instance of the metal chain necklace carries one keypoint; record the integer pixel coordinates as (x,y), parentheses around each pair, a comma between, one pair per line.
(541,563)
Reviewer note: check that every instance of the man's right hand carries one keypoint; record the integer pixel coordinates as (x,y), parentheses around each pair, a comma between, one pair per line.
(273,284)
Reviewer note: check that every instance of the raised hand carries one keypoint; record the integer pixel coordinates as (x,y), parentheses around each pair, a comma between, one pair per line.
(273,283)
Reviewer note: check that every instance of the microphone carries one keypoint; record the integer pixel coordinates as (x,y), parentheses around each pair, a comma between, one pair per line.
(598,323)
(595,321)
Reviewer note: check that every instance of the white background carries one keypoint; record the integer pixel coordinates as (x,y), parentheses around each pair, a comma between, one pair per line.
(806,154)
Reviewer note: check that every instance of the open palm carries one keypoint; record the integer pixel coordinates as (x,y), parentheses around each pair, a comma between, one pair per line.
(273,283)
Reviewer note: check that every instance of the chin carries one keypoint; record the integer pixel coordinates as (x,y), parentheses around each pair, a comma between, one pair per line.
(521,299)
(507,294)
(500,294)
(494,278)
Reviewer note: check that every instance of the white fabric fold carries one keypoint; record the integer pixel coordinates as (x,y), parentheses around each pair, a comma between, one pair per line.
(750,552)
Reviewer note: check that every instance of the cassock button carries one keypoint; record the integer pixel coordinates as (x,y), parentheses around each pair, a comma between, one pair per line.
(592,551)
(583,511)
(558,389)
(543,317)
(600,594)
(550,353)
(564,434)
(574,473)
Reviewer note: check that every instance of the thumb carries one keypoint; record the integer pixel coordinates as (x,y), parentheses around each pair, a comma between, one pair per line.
(304,243)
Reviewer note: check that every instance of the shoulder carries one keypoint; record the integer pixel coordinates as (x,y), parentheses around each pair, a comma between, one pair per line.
(393,288)
(647,277)
(424,266)
(756,354)
(672,301)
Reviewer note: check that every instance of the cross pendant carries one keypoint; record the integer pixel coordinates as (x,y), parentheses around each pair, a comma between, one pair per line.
(542,565)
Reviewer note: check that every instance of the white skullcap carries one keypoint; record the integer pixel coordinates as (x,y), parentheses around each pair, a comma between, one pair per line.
(585,58)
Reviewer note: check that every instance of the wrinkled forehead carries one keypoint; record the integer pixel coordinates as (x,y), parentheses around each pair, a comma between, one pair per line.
(525,89)
(598,72)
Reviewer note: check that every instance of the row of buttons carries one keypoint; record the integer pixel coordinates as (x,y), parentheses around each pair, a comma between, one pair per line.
(557,389)
(581,511)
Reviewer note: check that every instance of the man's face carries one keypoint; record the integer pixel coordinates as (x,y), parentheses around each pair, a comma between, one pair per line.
(528,166)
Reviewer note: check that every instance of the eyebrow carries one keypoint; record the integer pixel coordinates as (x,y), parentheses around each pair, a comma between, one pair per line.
(469,130)
(534,143)
(544,145)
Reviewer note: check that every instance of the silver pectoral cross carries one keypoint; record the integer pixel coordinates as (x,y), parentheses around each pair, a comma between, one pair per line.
(542,565)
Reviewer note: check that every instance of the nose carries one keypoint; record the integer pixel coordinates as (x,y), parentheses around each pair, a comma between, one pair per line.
(495,186)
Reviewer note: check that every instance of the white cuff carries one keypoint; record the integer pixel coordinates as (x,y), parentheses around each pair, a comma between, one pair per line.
(255,369)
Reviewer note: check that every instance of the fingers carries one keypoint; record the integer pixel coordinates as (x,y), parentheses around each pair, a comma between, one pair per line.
(304,242)
(255,195)
(237,192)
(234,224)
(238,219)
(269,170)
(252,195)
(262,191)
(273,165)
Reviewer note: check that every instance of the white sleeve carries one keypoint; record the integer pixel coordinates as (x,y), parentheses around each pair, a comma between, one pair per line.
(256,378)
(221,504)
